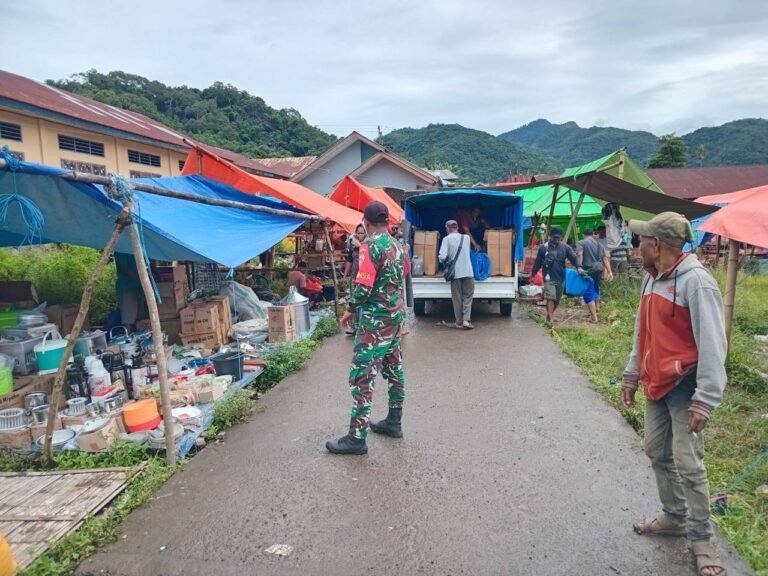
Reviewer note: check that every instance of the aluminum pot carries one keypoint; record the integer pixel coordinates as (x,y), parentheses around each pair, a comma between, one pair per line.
(76,406)
(35,399)
(40,414)
(301,306)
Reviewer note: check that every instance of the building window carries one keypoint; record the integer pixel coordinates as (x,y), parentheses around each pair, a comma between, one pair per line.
(73,144)
(85,167)
(143,158)
(10,131)
(137,174)
(181,165)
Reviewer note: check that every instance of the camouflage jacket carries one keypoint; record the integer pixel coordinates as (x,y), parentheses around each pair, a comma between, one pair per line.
(378,286)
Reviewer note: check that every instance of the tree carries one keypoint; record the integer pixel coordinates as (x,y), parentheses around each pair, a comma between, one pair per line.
(701,153)
(670,154)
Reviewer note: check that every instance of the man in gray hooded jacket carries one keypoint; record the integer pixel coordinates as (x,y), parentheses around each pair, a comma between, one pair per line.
(678,354)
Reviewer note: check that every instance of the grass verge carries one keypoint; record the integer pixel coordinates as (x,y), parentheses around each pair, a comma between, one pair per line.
(738,430)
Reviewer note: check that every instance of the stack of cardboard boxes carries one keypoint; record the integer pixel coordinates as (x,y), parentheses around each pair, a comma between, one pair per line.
(206,322)
(173,289)
(282,323)
(425,245)
(500,247)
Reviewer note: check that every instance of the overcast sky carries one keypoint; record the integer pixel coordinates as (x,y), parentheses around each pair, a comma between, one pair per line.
(488,64)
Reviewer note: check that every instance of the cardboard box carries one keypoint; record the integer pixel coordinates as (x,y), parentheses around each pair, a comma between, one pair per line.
(210,393)
(425,245)
(282,323)
(38,430)
(70,421)
(176,273)
(209,340)
(174,296)
(19,439)
(206,318)
(100,439)
(63,317)
(24,385)
(187,317)
(500,247)
(225,312)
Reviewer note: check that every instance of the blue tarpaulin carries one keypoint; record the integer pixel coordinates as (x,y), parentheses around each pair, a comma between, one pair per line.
(500,209)
(82,214)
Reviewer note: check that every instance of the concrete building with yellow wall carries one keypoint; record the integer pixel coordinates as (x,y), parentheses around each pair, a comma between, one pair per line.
(40,123)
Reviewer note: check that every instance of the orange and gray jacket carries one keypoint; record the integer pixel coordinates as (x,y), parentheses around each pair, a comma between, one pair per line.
(679,331)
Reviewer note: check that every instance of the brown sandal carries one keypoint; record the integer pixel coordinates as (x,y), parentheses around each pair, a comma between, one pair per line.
(706,557)
(662,525)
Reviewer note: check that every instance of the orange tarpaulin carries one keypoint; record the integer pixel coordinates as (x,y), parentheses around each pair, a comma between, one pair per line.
(724,198)
(744,219)
(205,163)
(352,194)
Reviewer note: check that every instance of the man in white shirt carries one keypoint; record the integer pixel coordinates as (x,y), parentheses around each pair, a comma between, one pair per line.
(456,247)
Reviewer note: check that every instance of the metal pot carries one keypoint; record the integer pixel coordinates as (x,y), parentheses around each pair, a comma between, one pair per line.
(11,418)
(76,406)
(301,307)
(40,414)
(35,399)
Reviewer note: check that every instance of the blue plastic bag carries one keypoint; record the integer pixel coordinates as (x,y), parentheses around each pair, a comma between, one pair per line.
(481,265)
(575,283)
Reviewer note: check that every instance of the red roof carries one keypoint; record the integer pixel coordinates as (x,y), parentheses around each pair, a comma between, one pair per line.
(289,192)
(693,183)
(32,93)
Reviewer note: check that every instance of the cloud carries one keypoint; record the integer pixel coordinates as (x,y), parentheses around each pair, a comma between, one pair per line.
(487,64)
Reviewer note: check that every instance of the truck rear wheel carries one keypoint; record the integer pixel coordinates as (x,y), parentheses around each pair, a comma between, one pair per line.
(420,308)
(505,308)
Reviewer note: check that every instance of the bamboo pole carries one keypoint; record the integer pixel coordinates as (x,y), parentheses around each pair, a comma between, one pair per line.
(104,181)
(552,210)
(730,286)
(157,339)
(329,247)
(575,212)
(85,303)
(576,224)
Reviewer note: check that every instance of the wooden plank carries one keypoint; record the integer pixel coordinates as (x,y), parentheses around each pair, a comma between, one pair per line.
(26,491)
(68,472)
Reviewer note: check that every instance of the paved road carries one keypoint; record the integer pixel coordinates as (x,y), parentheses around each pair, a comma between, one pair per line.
(510,465)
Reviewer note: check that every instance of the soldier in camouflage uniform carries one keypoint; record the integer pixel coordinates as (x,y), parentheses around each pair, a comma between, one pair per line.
(378,291)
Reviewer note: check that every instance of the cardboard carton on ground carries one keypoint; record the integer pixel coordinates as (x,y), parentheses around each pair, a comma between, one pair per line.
(210,393)
(19,439)
(24,385)
(187,317)
(63,317)
(282,323)
(174,297)
(500,247)
(425,245)
(100,439)
(206,318)
(208,341)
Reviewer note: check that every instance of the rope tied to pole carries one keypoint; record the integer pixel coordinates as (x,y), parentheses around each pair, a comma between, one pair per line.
(119,188)
(32,216)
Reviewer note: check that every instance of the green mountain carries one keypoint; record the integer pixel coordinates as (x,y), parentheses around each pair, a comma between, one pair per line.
(471,154)
(220,115)
(571,145)
(734,143)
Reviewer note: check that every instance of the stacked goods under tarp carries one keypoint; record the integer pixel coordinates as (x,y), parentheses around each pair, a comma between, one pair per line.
(499,244)
(425,246)
(206,323)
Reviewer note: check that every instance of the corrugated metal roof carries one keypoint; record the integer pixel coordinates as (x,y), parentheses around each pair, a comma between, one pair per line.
(287,166)
(28,93)
(697,182)
(249,164)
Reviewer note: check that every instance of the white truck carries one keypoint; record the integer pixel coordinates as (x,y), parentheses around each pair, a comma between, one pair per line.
(430,211)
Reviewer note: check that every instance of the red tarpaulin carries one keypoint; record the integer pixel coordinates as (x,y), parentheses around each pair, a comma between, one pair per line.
(205,163)
(744,219)
(352,194)
(724,199)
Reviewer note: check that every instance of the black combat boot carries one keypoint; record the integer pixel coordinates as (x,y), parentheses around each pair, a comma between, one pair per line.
(347,445)
(390,426)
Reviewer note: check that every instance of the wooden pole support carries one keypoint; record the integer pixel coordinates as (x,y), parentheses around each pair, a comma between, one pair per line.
(329,248)
(730,286)
(157,339)
(575,213)
(551,211)
(85,303)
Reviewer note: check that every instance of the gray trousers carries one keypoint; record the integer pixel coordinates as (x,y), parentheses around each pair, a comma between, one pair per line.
(677,458)
(462,291)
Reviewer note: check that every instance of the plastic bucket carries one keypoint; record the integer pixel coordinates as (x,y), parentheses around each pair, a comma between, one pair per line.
(229,363)
(49,354)
(6,380)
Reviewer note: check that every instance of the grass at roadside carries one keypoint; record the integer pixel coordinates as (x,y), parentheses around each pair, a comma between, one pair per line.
(738,431)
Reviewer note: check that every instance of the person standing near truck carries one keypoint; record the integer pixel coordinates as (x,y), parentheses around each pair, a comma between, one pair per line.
(472,223)
(378,291)
(455,248)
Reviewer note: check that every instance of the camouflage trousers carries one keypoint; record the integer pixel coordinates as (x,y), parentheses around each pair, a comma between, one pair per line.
(376,350)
